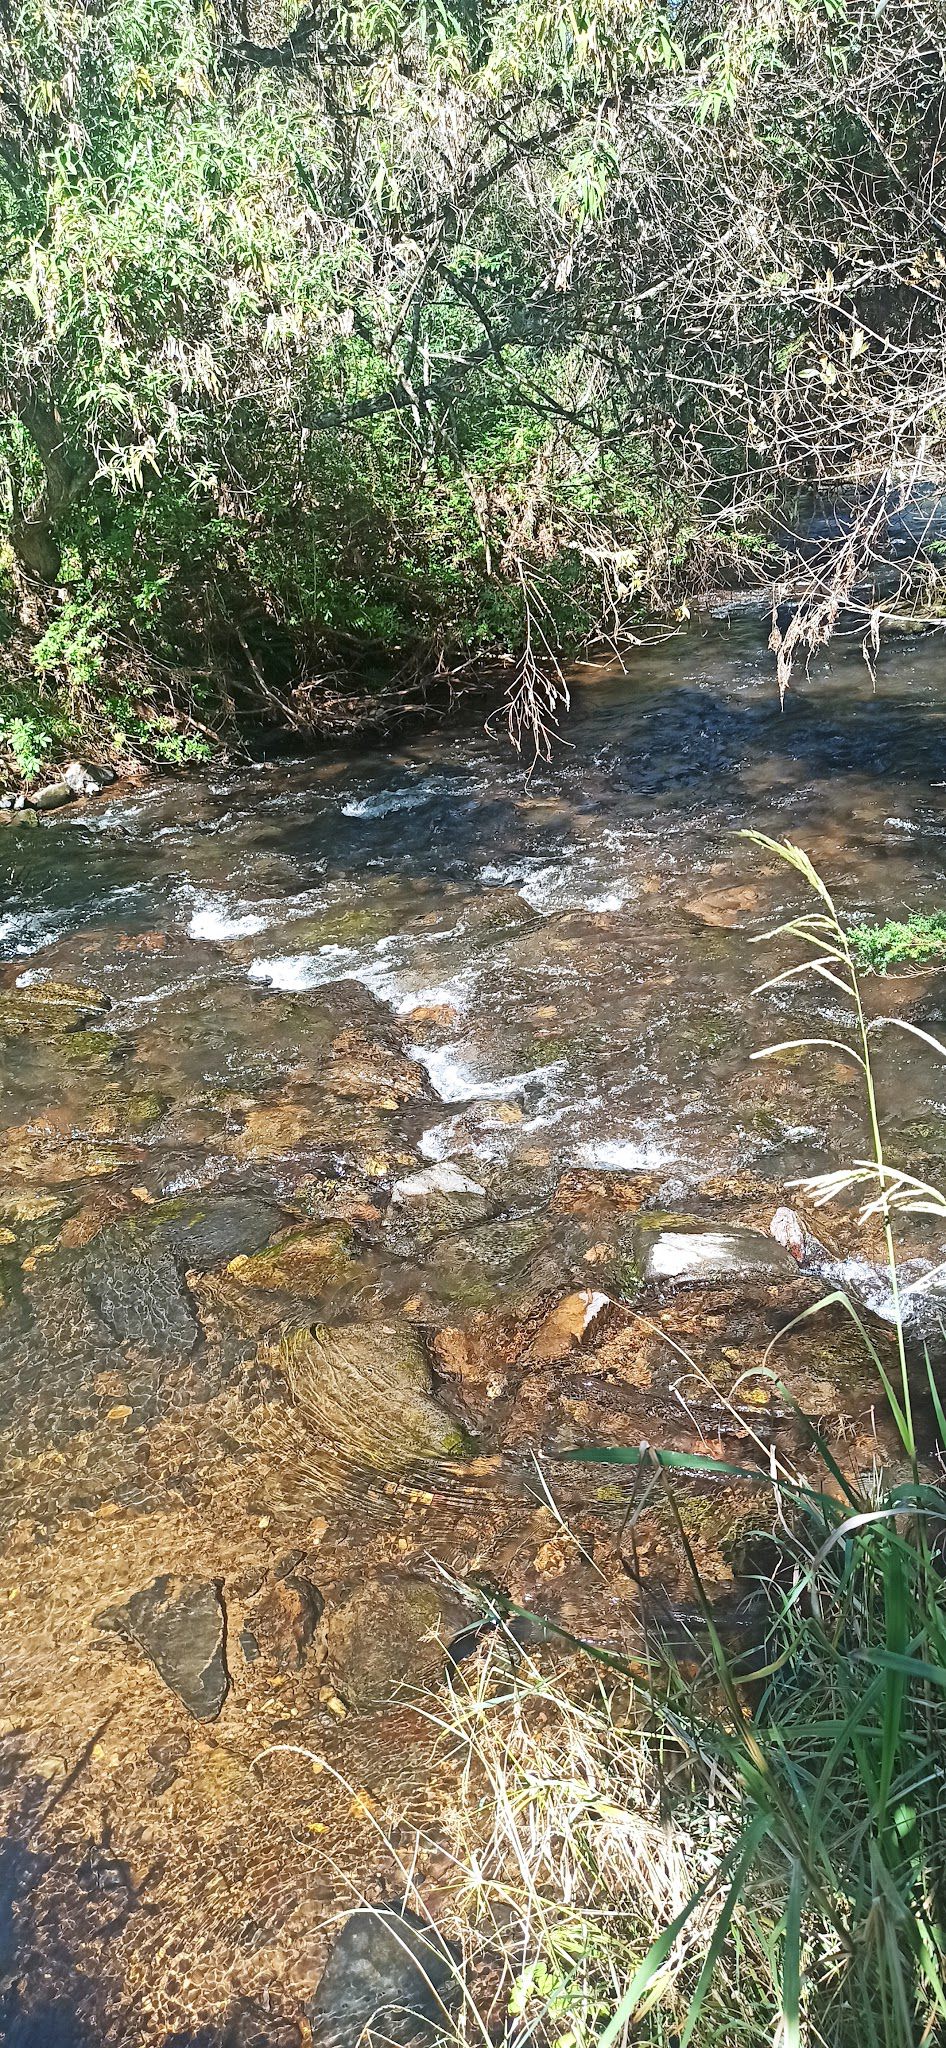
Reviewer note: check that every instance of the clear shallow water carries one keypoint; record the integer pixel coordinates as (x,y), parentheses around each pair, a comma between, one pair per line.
(324,976)
(554,919)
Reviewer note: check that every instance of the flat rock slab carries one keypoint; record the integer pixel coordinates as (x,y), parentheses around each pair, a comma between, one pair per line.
(180,1625)
(687,1252)
(390,1968)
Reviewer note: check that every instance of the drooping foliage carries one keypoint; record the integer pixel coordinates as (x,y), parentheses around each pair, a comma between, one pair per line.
(413,333)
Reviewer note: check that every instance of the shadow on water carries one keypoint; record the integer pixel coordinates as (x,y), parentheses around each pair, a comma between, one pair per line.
(47,2000)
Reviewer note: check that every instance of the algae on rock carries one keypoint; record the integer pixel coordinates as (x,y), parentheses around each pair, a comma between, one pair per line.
(367,1389)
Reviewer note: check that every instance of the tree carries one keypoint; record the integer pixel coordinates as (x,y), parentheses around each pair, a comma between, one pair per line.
(420,333)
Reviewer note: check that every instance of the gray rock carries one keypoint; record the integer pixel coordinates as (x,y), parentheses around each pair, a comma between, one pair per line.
(685,1251)
(206,1230)
(390,1967)
(7,800)
(134,1285)
(180,1626)
(53,796)
(443,1185)
(85,780)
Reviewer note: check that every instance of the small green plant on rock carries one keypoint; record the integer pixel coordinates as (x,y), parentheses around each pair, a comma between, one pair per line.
(917,941)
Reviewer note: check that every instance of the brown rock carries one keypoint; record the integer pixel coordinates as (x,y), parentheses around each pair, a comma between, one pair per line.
(389,1637)
(440,1016)
(300,1262)
(725,908)
(275,1130)
(284,1619)
(365,1069)
(566,1327)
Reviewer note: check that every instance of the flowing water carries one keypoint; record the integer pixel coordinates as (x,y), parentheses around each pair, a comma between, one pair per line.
(240,1012)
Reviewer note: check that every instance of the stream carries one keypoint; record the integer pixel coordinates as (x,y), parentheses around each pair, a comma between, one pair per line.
(342,1103)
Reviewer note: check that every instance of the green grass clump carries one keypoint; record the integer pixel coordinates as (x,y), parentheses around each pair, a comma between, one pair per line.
(915,942)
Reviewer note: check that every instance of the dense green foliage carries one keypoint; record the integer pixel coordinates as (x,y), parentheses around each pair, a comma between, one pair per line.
(394,337)
(918,941)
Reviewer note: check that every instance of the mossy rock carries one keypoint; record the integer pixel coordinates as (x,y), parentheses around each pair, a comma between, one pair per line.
(390,1637)
(49,1008)
(89,1048)
(303,1261)
(144,1109)
(202,1231)
(367,1390)
(359,925)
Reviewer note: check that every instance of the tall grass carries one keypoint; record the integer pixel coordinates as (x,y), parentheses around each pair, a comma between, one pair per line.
(757,1853)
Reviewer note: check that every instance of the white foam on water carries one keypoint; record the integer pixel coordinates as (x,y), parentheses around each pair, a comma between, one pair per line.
(572,883)
(481,1132)
(454,1080)
(625,1155)
(215,918)
(402,994)
(386,801)
(28,931)
(918,1298)
(292,973)
(380,968)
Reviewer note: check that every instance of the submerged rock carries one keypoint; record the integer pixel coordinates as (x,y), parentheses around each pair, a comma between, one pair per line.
(282,1622)
(365,1069)
(49,1008)
(725,908)
(388,1637)
(687,1251)
(388,1966)
(443,1191)
(301,1262)
(201,1231)
(568,1323)
(135,1286)
(368,1391)
(180,1626)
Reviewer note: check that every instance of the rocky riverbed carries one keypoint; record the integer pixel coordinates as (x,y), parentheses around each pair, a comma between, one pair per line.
(373,1136)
